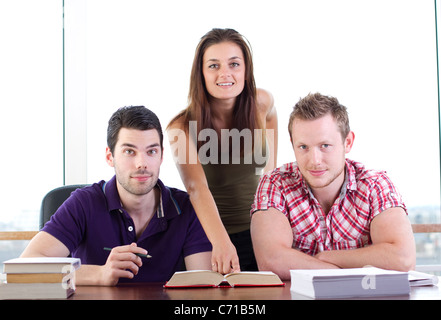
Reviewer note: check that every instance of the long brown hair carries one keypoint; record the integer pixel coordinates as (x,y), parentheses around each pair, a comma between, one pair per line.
(245,110)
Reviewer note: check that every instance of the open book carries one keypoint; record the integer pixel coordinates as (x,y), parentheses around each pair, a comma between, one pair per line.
(208,278)
(422,279)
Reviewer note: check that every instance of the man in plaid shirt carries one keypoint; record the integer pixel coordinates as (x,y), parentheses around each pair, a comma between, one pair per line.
(326,211)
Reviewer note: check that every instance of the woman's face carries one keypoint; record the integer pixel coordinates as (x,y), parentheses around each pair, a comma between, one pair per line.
(223,67)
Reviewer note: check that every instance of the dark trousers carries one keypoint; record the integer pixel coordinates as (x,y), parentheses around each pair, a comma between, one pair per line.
(244,248)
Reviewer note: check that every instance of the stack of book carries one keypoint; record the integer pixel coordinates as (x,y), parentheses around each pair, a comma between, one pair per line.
(39,278)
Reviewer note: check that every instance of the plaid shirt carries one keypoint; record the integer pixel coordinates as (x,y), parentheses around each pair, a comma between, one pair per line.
(365,193)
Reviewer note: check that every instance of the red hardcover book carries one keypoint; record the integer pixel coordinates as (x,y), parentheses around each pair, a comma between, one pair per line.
(207,278)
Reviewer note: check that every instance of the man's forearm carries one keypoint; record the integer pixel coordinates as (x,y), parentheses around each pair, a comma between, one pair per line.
(89,275)
(382,255)
(289,259)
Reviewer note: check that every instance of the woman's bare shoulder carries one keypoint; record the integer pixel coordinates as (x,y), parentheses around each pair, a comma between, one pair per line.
(178,122)
(265,101)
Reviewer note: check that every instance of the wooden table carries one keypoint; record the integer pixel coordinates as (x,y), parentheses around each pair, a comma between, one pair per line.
(153,301)
(155,291)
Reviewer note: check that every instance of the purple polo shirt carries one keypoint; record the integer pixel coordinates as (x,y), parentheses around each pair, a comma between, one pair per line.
(93,218)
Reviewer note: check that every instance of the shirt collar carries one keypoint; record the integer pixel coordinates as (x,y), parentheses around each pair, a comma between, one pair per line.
(168,207)
(350,180)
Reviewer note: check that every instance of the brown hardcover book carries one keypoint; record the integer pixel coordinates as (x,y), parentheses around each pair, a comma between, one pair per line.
(35,277)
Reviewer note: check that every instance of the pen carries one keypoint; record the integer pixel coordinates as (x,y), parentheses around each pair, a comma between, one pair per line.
(138,254)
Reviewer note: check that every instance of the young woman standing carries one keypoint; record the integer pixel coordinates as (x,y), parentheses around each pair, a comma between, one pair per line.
(225,107)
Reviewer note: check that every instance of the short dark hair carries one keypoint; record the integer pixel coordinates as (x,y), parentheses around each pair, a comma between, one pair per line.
(132,117)
(315,106)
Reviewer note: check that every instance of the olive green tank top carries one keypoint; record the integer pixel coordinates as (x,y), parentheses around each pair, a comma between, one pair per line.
(233,187)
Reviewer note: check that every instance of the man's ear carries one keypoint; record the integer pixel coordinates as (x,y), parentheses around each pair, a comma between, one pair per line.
(349,141)
(109,157)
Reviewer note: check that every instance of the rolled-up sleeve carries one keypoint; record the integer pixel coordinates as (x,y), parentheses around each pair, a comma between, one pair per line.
(268,195)
(384,196)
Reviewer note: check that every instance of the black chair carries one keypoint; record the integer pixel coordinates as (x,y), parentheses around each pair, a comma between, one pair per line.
(54,199)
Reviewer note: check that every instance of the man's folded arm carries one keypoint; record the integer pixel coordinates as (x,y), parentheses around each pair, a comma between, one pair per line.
(272,242)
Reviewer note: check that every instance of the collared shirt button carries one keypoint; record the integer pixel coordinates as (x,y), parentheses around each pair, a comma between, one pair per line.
(130,228)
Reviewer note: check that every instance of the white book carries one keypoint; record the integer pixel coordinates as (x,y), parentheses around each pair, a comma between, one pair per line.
(417,279)
(349,283)
(35,291)
(41,265)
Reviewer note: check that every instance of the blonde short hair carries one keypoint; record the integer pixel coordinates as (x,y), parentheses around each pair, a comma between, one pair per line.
(315,106)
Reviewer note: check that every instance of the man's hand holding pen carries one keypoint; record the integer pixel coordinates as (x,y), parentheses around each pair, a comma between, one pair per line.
(123,262)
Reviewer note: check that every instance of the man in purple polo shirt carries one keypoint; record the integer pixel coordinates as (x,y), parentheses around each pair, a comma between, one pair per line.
(133,213)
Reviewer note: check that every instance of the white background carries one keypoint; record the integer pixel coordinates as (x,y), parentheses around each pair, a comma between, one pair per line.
(377,57)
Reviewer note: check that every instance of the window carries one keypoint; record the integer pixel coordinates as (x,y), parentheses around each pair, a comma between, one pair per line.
(31,78)
(381,64)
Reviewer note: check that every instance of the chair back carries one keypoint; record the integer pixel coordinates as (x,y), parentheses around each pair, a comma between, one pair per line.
(53,200)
